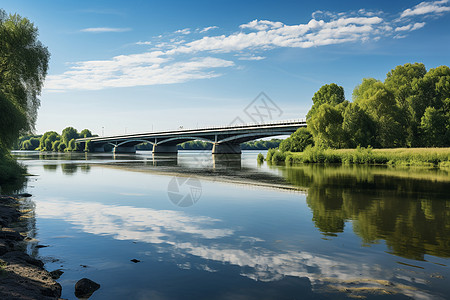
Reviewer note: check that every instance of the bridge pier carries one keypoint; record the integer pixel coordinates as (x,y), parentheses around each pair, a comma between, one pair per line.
(122,149)
(226,148)
(165,148)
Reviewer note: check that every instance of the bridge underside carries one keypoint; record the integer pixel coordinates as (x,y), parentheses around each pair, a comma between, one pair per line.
(222,144)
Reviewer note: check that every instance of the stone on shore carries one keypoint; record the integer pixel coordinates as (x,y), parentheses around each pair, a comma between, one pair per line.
(85,287)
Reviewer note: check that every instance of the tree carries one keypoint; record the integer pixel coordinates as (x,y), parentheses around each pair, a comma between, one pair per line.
(326,126)
(434,125)
(360,90)
(23,67)
(55,146)
(44,137)
(401,80)
(298,141)
(358,127)
(85,133)
(331,94)
(61,147)
(379,103)
(72,146)
(12,121)
(68,134)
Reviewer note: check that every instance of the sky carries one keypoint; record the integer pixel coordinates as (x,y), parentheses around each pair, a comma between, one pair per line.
(137,66)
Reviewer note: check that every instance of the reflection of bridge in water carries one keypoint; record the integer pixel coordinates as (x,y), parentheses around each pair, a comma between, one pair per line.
(225,139)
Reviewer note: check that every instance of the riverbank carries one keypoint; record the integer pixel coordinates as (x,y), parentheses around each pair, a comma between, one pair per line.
(21,276)
(425,157)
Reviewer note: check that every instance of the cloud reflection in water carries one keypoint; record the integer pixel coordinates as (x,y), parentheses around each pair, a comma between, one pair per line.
(179,233)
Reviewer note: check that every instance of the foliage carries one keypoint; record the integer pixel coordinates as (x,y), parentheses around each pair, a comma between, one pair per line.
(85,133)
(433,125)
(331,94)
(298,141)
(68,134)
(326,126)
(411,108)
(10,170)
(427,157)
(260,158)
(23,67)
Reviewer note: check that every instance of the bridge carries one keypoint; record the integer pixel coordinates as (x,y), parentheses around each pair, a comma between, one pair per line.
(225,139)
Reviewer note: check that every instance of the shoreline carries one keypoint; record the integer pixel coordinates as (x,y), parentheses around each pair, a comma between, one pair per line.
(21,276)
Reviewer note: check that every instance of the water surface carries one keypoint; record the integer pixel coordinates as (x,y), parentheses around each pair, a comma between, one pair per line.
(226,228)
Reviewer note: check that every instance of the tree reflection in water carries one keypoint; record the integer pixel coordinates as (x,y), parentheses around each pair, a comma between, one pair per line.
(407,208)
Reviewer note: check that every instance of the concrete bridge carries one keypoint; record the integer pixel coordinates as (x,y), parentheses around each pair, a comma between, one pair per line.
(225,139)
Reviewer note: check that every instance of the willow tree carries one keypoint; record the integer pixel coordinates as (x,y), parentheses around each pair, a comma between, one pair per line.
(23,67)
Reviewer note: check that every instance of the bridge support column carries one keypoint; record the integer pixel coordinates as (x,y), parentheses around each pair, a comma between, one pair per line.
(163,148)
(226,148)
(122,149)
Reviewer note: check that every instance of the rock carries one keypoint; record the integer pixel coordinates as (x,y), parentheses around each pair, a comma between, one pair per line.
(9,234)
(23,195)
(135,260)
(41,246)
(56,274)
(84,288)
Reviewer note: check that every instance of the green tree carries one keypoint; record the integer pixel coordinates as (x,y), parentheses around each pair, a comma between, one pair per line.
(326,126)
(433,90)
(88,146)
(434,125)
(298,141)
(72,146)
(379,103)
(331,94)
(358,127)
(85,133)
(12,121)
(23,67)
(27,145)
(68,134)
(400,81)
(61,147)
(55,146)
(51,135)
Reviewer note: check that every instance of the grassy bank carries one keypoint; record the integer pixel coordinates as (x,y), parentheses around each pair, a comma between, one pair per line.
(427,157)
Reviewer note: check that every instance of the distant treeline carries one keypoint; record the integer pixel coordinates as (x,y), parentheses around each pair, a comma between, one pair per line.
(53,141)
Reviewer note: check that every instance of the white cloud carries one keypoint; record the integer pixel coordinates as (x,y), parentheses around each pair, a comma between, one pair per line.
(137,70)
(104,29)
(410,27)
(250,57)
(144,43)
(175,60)
(184,31)
(423,8)
(208,29)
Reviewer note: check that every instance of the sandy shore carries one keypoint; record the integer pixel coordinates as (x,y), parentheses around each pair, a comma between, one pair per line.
(21,276)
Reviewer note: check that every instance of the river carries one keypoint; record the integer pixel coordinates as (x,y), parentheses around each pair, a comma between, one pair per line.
(228,228)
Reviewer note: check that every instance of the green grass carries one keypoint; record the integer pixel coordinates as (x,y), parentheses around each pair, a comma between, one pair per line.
(420,157)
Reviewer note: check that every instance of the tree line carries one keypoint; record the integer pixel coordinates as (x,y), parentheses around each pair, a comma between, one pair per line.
(411,108)
(52,141)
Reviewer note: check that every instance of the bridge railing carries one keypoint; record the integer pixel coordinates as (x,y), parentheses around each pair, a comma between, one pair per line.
(255,124)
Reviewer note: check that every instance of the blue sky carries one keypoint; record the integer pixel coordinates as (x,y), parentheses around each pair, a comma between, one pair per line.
(140,65)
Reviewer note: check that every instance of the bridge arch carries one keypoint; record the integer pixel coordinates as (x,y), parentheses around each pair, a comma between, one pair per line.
(131,141)
(253,135)
(187,138)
